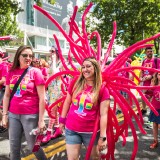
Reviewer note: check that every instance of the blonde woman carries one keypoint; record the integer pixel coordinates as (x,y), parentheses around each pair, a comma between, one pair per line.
(84,99)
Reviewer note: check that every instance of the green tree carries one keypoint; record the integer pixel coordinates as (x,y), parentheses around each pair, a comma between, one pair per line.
(136,19)
(8,11)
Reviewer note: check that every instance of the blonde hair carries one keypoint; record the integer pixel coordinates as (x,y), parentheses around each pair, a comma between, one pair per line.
(97,82)
(44,63)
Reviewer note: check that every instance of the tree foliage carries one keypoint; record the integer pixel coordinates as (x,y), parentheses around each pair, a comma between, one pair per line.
(136,19)
(8,11)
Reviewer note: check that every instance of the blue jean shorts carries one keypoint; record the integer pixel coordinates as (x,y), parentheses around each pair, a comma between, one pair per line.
(73,137)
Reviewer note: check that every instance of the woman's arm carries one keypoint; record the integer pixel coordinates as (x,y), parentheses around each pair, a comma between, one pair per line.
(41,95)
(104,117)
(5,106)
(104,106)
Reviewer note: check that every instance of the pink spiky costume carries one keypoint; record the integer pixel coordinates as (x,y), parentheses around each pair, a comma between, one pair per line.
(81,49)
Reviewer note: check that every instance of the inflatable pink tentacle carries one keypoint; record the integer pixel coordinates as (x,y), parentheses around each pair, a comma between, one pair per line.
(63,81)
(110,44)
(72,19)
(73,73)
(110,138)
(95,33)
(127,69)
(130,53)
(83,47)
(141,94)
(92,52)
(135,148)
(84,28)
(70,61)
(137,44)
(147,102)
(113,93)
(49,108)
(117,128)
(121,59)
(63,90)
(4,38)
(87,157)
(75,28)
(58,26)
(79,60)
(60,53)
(132,113)
(116,80)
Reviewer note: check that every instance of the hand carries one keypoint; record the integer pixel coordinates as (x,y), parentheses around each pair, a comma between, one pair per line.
(62,127)
(102,144)
(41,126)
(5,121)
(145,78)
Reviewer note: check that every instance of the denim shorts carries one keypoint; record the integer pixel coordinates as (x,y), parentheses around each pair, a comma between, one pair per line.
(73,137)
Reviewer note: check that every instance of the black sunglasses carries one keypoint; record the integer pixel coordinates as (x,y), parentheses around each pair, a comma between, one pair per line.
(26,55)
(52,51)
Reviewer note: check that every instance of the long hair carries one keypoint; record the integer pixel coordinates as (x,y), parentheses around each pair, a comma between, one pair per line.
(79,85)
(155,79)
(16,63)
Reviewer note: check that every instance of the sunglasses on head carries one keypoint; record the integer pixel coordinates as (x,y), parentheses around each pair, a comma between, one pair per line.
(27,55)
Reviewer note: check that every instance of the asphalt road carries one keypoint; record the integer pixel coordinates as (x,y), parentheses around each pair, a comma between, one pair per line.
(55,149)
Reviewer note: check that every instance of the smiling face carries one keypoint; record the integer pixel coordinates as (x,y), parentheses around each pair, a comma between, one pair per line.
(88,70)
(25,58)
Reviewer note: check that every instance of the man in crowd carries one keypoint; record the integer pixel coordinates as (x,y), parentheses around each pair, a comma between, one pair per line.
(146,75)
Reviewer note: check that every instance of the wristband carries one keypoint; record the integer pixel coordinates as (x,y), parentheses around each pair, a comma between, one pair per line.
(62,120)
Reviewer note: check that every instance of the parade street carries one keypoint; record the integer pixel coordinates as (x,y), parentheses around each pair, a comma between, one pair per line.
(55,149)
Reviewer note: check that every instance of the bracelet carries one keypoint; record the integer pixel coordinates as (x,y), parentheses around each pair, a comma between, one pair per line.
(62,120)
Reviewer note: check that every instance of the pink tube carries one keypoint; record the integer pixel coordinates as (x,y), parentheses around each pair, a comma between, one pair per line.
(87,157)
(58,26)
(123,56)
(70,61)
(125,112)
(110,44)
(84,28)
(95,33)
(5,38)
(137,44)
(72,21)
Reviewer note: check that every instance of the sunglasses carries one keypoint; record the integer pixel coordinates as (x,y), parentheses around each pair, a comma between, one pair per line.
(27,55)
(52,51)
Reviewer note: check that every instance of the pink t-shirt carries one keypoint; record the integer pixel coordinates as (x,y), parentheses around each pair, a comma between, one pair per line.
(149,63)
(3,71)
(83,112)
(25,100)
(44,72)
(156,98)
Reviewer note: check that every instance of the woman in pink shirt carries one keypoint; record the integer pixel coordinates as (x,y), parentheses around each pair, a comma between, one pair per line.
(25,111)
(156,103)
(86,95)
